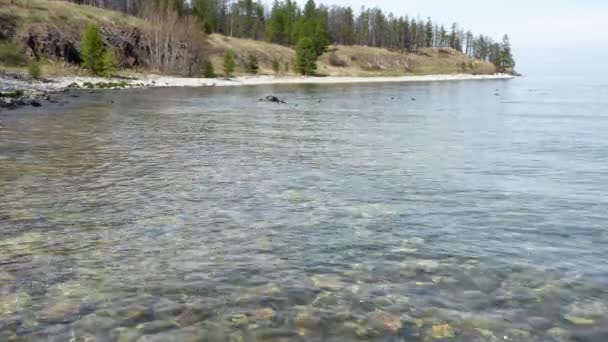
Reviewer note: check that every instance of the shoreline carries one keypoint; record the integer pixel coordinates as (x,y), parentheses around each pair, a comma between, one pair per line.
(34,93)
(175,81)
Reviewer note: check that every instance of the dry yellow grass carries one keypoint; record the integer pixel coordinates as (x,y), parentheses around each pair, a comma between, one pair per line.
(359,60)
(265,53)
(369,61)
(63,14)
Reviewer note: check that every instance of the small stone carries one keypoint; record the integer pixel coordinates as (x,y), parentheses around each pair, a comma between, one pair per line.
(265,314)
(428,266)
(518,334)
(436,279)
(5,278)
(442,331)
(359,330)
(189,334)
(404,250)
(265,290)
(128,315)
(424,284)
(123,334)
(154,327)
(579,320)
(239,320)
(191,316)
(13,303)
(303,331)
(486,333)
(559,334)
(539,323)
(307,318)
(95,323)
(59,312)
(385,321)
(327,281)
(236,337)
(167,309)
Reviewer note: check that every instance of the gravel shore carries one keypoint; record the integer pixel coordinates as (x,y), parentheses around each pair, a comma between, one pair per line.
(17,90)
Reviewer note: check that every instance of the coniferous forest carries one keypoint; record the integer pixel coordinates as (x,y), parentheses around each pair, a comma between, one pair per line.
(286,23)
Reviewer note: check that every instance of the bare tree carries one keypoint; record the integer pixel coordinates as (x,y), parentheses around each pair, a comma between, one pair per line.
(174,44)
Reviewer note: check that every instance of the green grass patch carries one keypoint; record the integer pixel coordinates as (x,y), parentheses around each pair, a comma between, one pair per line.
(13,94)
(11,55)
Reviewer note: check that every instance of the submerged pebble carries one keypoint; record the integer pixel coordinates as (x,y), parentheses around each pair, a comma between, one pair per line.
(330,282)
(13,303)
(442,331)
(265,314)
(559,334)
(307,318)
(385,321)
(123,334)
(190,334)
(579,320)
(154,327)
(239,320)
(60,312)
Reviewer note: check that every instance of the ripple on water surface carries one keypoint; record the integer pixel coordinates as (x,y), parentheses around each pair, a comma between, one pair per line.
(198,215)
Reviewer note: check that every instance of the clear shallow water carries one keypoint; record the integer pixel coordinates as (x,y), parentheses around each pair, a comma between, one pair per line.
(192,214)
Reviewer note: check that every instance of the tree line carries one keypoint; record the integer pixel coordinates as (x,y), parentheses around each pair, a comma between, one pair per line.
(287,23)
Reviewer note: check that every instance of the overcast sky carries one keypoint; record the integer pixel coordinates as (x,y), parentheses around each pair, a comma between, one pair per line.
(544,33)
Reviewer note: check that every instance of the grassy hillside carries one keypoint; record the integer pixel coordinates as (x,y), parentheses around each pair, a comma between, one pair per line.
(66,16)
(19,17)
(349,60)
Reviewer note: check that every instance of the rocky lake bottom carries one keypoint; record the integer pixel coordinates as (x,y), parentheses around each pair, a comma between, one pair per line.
(351,212)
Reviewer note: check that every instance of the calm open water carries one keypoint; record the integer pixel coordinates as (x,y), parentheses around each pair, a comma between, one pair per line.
(350,213)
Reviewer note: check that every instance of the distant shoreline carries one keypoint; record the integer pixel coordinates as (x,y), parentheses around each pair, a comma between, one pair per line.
(173,81)
(36,93)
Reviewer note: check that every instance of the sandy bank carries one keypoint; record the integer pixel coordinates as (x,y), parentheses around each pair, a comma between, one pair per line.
(170,81)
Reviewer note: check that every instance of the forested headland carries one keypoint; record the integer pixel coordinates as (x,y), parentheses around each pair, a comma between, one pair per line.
(204,37)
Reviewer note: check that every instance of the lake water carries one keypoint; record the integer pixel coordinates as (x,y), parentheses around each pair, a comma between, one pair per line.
(454,211)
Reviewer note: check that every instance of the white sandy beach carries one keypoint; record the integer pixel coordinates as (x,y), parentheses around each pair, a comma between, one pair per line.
(171,81)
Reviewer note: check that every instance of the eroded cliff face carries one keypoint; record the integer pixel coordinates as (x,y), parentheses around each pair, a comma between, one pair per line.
(46,41)
(8,26)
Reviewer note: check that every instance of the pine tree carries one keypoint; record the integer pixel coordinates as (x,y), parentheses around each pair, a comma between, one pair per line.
(429,33)
(276,66)
(507,63)
(208,70)
(92,50)
(306,56)
(108,63)
(228,63)
(252,66)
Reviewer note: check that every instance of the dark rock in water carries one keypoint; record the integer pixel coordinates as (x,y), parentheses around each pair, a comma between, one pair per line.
(273,99)
(7,103)
(35,103)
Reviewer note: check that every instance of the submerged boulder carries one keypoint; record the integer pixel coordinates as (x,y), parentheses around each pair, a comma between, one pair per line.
(271,98)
